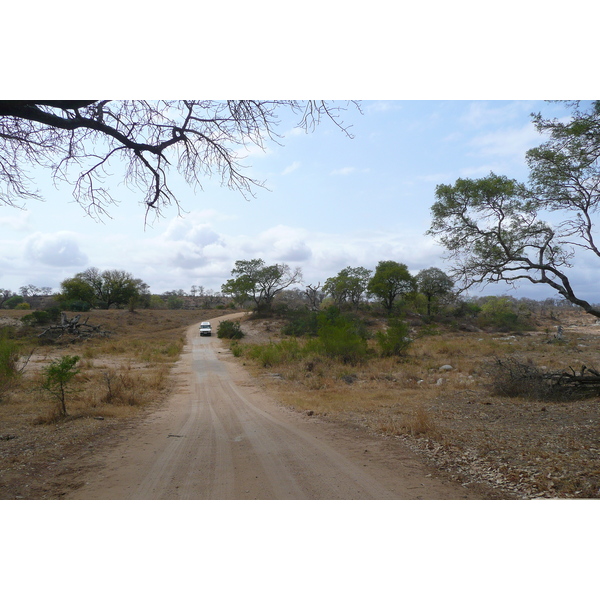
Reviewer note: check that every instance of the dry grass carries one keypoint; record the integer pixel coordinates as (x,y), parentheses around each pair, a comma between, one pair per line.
(121,376)
(521,447)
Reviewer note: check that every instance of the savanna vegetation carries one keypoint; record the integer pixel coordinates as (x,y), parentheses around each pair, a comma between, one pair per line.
(59,397)
(486,388)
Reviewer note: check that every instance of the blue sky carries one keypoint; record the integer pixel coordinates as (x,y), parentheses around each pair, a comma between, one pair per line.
(332,202)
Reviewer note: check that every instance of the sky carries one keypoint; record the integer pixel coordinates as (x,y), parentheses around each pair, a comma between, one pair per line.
(331,201)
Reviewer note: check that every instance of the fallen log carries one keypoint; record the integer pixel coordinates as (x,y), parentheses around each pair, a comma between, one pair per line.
(574,379)
(73,327)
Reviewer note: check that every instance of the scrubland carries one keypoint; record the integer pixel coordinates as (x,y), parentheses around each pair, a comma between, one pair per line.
(444,397)
(122,375)
(440,396)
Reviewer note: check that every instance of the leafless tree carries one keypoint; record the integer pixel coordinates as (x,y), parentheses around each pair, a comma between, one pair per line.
(314,295)
(79,140)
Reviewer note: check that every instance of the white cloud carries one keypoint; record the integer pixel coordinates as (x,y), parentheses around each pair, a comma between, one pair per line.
(510,142)
(18,221)
(59,249)
(482,114)
(295,165)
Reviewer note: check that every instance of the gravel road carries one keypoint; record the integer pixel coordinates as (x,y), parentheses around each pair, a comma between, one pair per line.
(219,436)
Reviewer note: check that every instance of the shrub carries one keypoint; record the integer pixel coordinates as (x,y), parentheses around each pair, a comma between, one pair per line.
(76,306)
(174,303)
(394,341)
(230,330)
(498,312)
(301,322)
(9,357)
(38,317)
(58,376)
(273,354)
(13,301)
(341,337)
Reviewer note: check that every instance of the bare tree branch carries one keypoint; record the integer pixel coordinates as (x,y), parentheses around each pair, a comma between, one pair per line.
(198,138)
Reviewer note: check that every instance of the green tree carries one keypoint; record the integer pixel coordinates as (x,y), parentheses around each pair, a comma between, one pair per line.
(5,295)
(198,138)
(13,301)
(434,284)
(76,291)
(348,286)
(493,227)
(102,289)
(59,375)
(391,281)
(260,283)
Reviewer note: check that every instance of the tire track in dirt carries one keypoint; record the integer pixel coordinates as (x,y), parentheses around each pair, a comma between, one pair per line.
(220,437)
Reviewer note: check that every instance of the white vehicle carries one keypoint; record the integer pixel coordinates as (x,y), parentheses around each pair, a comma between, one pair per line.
(205,328)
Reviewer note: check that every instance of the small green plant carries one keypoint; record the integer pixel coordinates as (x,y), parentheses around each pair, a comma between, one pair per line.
(9,356)
(236,349)
(230,330)
(286,351)
(58,377)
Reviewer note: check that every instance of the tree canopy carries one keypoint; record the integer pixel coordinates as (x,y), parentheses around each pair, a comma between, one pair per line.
(256,281)
(433,283)
(102,289)
(498,229)
(79,141)
(390,281)
(348,286)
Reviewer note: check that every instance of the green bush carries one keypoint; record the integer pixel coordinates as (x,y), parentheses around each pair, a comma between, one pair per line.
(41,317)
(58,376)
(394,341)
(236,349)
(230,330)
(498,312)
(76,305)
(174,303)
(13,301)
(279,353)
(301,323)
(342,338)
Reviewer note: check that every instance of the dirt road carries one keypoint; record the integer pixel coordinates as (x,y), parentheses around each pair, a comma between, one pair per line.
(220,437)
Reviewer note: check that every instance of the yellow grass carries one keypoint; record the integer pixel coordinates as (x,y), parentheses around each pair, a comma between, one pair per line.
(119,373)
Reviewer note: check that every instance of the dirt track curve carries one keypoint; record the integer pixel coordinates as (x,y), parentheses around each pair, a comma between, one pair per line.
(220,437)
